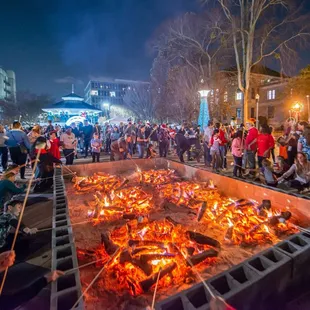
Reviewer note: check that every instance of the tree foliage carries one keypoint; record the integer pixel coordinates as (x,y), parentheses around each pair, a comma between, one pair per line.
(28,107)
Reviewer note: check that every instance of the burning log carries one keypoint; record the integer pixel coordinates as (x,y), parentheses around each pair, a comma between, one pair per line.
(108,244)
(190,251)
(150,257)
(202,239)
(149,282)
(202,211)
(229,233)
(144,243)
(129,216)
(284,216)
(264,207)
(142,265)
(125,182)
(172,221)
(198,258)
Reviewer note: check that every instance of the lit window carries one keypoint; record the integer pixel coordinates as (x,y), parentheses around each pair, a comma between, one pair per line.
(225,96)
(271,94)
(112,94)
(239,95)
(238,113)
(129,87)
(94,92)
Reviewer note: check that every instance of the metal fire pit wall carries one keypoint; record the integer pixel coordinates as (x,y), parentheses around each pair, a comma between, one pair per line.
(268,279)
(67,289)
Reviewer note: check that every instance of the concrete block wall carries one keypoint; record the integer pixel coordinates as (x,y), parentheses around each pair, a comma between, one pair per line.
(67,289)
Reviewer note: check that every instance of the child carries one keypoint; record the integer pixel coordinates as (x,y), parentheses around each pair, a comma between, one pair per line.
(215,150)
(8,222)
(280,166)
(267,175)
(150,152)
(236,150)
(55,144)
(96,146)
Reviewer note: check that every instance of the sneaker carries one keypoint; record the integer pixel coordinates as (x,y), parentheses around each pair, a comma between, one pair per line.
(224,170)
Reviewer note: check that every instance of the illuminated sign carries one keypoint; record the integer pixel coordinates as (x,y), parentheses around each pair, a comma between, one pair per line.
(75,119)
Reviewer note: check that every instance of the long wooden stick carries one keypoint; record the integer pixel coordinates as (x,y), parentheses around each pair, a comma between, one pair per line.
(85,265)
(155,290)
(50,228)
(96,277)
(18,167)
(21,214)
(197,273)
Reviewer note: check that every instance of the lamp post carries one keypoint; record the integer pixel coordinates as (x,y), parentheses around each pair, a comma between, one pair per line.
(297,108)
(308,104)
(257,101)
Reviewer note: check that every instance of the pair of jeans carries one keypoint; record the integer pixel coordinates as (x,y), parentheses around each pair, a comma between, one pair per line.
(69,155)
(223,153)
(291,155)
(207,155)
(237,166)
(86,146)
(216,159)
(96,156)
(4,157)
(141,149)
(298,185)
(182,151)
(19,159)
(250,156)
(260,159)
(163,148)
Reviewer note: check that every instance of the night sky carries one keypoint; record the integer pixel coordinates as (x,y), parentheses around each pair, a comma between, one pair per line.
(50,44)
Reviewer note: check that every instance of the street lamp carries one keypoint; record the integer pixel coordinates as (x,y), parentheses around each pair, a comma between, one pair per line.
(257,101)
(308,107)
(297,108)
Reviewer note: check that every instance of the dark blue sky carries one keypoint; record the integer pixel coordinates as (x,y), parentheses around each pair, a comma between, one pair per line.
(50,43)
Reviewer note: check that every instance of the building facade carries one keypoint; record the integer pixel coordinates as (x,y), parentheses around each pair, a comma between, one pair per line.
(105,93)
(7,85)
(267,83)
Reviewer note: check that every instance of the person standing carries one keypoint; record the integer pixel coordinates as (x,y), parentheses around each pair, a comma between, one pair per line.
(208,131)
(3,148)
(265,143)
(223,144)
(49,127)
(215,150)
(141,141)
(304,142)
(236,150)
(55,144)
(251,145)
(87,134)
(19,146)
(96,147)
(68,143)
(97,129)
(163,138)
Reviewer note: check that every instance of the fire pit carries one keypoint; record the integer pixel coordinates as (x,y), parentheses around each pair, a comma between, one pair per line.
(157,218)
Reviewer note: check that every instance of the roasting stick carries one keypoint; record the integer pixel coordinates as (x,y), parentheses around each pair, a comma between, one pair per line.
(155,290)
(301,228)
(96,277)
(79,223)
(85,265)
(18,167)
(39,147)
(195,270)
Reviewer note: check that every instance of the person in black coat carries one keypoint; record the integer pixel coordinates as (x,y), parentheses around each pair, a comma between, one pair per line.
(183,145)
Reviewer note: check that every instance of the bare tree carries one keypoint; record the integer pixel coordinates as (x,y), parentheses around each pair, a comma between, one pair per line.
(258,32)
(192,45)
(28,107)
(139,100)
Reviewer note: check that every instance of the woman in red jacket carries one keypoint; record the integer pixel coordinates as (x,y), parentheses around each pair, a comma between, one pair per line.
(265,143)
(55,144)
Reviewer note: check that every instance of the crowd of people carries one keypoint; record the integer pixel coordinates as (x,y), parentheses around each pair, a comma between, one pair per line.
(248,145)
